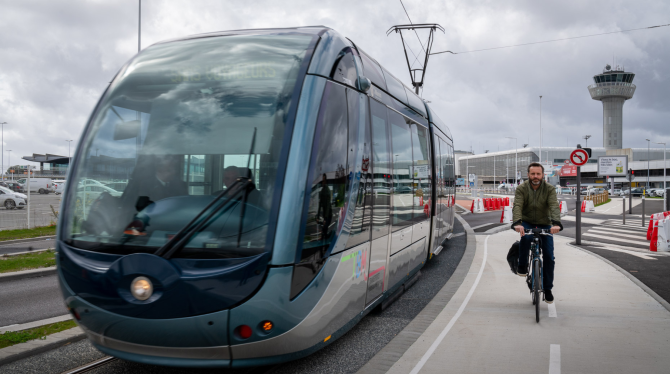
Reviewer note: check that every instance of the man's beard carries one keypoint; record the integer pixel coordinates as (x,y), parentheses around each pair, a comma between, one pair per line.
(535,181)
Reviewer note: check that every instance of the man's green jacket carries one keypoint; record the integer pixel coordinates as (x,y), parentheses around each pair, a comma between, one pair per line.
(536,207)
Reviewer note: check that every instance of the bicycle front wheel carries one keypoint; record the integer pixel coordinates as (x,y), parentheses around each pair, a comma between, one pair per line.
(536,289)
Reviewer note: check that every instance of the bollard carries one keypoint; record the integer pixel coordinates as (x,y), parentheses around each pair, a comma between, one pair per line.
(623,199)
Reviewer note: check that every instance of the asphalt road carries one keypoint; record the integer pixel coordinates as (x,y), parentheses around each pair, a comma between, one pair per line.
(345,355)
(27,246)
(29,300)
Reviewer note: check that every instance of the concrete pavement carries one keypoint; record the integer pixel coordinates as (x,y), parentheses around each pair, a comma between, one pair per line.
(601,321)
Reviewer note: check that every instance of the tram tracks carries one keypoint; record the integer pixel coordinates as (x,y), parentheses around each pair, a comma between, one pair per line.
(109,359)
(91,365)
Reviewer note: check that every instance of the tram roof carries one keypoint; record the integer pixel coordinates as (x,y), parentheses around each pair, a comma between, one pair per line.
(327,53)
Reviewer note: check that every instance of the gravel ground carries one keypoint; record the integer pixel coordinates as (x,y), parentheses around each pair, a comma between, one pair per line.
(346,355)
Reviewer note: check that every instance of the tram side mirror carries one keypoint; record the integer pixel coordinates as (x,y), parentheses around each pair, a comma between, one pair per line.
(127,130)
(364,84)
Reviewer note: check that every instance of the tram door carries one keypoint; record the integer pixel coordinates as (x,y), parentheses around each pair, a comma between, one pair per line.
(381,198)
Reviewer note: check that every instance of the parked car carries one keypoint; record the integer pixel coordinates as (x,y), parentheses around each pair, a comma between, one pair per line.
(655,192)
(564,191)
(88,194)
(39,185)
(14,186)
(118,186)
(12,200)
(614,192)
(60,187)
(638,191)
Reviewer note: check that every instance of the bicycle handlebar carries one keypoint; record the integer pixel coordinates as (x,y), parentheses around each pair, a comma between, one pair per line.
(537,231)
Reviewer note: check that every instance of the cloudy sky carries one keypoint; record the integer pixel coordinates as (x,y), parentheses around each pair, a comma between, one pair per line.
(56,58)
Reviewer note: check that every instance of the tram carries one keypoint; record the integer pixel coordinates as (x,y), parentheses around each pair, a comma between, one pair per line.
(244,198)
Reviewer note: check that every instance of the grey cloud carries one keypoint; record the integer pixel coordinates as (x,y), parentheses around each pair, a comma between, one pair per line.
(58,57)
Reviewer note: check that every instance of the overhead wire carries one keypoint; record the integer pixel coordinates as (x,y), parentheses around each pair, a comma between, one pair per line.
(550,41)
(410,22)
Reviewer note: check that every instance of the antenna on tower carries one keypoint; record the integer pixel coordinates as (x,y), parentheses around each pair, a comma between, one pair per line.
(417,75)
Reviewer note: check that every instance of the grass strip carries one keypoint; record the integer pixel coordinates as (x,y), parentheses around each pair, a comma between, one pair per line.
(27,261)
(27,233)
(16,337)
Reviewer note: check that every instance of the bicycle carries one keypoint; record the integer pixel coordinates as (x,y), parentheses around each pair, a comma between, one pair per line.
(534,277)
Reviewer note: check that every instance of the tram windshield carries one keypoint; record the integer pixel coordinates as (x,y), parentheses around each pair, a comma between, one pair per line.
(175,129)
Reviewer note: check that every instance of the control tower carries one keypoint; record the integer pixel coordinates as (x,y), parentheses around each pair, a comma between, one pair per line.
(613,87)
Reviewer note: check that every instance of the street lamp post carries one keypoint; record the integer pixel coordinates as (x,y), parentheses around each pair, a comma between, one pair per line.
(68,151)
(665,195)
(3,149)
(648,141)
(586,137)
(516,158)
(540,128)
(9,156)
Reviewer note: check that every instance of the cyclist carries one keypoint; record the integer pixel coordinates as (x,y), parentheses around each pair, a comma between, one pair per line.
(536,206)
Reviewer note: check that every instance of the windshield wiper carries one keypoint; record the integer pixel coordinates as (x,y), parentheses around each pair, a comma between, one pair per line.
(244,185)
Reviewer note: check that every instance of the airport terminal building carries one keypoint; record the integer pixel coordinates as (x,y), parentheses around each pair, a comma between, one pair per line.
(498,167)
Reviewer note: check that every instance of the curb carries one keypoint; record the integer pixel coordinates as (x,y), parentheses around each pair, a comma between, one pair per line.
(24,274)
(3,242)
(25,253)
(639,283)
(37,346)
(33,324)
(383,360)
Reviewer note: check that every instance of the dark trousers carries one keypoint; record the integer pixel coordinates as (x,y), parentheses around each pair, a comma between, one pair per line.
(547,246)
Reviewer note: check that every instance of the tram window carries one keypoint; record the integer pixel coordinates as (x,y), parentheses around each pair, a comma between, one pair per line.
(438,178)
(345,70)
(174,127)
(395,88)
(415,102)
(403,190)
(421,175)
(381,168)
(359,143)
(372,71)
(325,210)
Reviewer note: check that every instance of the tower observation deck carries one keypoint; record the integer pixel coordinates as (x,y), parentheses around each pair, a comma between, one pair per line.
(613,87)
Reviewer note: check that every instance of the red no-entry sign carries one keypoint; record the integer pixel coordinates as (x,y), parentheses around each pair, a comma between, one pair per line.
(579,157)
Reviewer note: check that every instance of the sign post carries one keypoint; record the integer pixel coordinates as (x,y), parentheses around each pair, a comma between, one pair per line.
(613,166)
(579,157)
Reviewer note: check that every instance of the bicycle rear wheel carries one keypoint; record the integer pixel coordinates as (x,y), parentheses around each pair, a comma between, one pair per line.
(536,289)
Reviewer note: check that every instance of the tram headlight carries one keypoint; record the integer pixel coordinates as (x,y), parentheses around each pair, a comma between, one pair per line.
(141,288)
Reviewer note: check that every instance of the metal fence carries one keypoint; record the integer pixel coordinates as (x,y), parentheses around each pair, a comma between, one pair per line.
(43,212)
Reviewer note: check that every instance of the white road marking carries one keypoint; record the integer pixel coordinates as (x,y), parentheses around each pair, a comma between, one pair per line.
(552,309)
(554,359)
(593,221)
(636,254)
(618,233)
(453,320)
(634,227)
(638,242)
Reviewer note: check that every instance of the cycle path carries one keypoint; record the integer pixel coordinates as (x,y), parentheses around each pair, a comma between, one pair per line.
(600,322)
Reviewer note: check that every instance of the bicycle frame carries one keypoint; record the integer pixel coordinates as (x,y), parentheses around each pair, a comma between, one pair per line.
(533,256)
